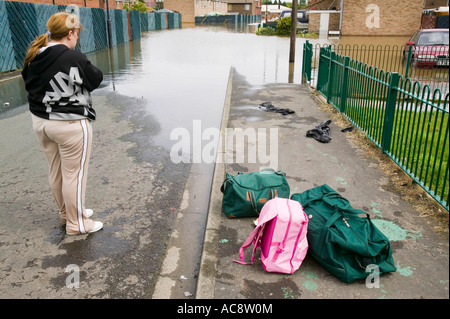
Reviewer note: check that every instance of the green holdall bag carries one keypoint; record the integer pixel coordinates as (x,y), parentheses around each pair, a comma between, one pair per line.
(343,239)
(244,195)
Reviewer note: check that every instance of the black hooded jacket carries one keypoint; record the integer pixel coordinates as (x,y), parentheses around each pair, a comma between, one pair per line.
(59,81)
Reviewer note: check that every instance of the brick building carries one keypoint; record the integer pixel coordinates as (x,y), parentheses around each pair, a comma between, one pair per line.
(245,6)
(381,17)
(433,4)
(323,5)
(189,9)
(369,17)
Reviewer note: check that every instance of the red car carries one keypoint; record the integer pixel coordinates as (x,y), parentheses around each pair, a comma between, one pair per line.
(429,48)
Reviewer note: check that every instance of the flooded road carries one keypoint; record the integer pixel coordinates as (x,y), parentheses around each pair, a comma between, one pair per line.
(181,75)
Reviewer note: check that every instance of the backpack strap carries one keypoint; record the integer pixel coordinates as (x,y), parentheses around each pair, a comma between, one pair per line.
(253,238)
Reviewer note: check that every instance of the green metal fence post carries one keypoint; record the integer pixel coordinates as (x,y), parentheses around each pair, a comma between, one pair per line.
(331,76)
(322,71)
(344,87)
(308,60)
(408,61)
(389,113)
(304,61)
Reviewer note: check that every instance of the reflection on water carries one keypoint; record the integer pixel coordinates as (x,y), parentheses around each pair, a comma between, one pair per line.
(182,75)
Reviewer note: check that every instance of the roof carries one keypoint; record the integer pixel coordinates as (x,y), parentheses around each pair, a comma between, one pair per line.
(164,10)
(273,8)
(433,30)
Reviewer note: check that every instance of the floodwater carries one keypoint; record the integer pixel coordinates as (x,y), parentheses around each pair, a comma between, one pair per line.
(182,75)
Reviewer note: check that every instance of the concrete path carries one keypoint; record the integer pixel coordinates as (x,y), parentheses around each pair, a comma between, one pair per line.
(133,188)
(420,247)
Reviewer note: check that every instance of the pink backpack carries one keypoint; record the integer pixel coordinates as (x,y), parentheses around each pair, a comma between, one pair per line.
(281,236)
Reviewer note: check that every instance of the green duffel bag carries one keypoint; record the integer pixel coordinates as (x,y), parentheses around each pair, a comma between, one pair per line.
(343,239)
(245,194)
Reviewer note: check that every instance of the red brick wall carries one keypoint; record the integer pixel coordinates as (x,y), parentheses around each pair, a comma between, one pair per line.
(399,17)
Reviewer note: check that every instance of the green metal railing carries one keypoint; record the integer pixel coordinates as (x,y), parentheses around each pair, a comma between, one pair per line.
(307,60)
(390,58)
(407,120)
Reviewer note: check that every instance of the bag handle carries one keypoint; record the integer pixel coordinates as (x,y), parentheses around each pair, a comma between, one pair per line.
(327,197)
(228,178)
(340,213)
(253,201)
(333,219)
(330,196)
(347,209)
(267,170)
(273,193)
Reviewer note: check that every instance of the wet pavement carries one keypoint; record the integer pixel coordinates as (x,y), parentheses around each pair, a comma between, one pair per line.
(419,242)
(132,187)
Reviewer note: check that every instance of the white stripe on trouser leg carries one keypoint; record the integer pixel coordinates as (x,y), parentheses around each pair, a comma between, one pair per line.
(80,178)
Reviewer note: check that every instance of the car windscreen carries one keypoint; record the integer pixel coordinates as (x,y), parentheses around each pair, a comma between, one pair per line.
(433,38)
(300,14)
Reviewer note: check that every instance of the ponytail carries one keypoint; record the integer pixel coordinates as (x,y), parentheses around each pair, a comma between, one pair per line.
(59,25)
(36,45)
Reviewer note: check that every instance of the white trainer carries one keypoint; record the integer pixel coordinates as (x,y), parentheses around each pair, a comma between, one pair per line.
(97,227)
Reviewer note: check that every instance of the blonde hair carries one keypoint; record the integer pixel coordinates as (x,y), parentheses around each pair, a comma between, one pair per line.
(59,25)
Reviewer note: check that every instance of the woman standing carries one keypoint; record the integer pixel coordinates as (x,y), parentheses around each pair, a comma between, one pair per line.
(59,80)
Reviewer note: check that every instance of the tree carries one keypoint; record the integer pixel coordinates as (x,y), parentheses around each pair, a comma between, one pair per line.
(301,4)
(284,26)
(138,5)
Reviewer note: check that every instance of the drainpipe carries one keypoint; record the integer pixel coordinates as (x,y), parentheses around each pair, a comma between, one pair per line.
(267,9)
(293,30)
(109,24)
(340,17)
